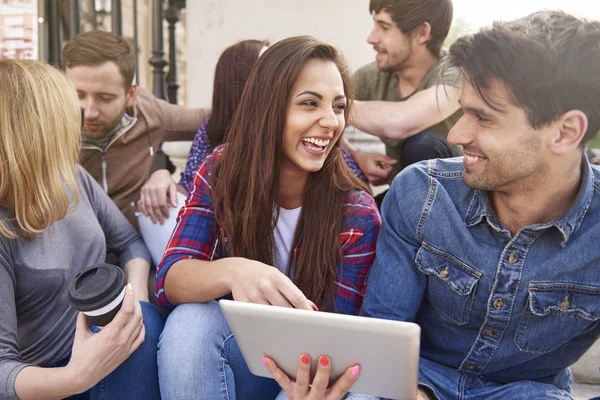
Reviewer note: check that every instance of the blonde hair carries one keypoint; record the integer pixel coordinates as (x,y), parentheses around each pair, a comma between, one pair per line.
(40,123)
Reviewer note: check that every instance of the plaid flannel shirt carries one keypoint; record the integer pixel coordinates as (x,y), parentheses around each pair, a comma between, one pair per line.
(197,237)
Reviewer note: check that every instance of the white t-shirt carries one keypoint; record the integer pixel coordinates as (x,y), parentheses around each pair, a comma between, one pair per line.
(284,236)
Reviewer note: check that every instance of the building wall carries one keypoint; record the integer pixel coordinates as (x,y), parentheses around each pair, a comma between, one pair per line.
(18,26)
(213,25)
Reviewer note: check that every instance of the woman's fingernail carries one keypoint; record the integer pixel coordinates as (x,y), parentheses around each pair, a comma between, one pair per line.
(324,361)
(264,361)
(129,286)
(314,306)
(355,371)
(305,360)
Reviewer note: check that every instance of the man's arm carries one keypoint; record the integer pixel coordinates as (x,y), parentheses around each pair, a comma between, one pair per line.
(402,119)
(177,122)
(396,287)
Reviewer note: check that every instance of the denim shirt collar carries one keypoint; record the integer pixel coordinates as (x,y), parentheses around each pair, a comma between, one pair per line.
(480,208)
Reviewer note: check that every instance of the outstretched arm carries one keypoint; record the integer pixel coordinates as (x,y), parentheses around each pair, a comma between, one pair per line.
(402,119)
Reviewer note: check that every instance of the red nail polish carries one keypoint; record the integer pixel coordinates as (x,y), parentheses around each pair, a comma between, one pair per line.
(264,361)
(324,361)
(355,371)
(305,360)
(314,306)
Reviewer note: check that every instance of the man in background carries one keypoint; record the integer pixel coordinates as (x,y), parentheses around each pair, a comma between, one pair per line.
(401,97)
(124,124)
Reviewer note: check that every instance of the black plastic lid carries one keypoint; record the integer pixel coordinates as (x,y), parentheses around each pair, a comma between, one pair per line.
(96,286)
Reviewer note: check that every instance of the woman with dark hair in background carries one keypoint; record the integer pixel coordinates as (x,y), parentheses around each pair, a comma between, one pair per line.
(231,72)
(274,217)
(161,191)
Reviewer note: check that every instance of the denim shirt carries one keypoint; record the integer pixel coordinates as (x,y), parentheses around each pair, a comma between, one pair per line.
(491,305)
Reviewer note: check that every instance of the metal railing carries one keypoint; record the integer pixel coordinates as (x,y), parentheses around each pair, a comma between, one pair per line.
(64,20)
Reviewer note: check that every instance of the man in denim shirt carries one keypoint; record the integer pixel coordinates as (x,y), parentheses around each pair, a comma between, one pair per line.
(495,254)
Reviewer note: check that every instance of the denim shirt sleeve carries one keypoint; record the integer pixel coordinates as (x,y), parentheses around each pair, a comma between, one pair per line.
(395,286)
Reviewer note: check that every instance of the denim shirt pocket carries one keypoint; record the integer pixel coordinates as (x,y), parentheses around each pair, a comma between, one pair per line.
(450,285)
(554,314)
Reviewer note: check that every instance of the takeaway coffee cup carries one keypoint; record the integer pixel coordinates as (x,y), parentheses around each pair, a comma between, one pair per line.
(98,292)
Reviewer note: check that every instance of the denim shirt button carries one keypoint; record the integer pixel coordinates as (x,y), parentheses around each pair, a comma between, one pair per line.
(565,303)
(471,366)
(512,257)
(498,304)
(444,273)
(490,333)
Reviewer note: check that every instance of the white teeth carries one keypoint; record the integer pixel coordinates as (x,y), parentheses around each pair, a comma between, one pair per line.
(318,142)
(472,159)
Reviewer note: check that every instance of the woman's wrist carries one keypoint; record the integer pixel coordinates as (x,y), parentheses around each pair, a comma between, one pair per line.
(34,382)
(73,380)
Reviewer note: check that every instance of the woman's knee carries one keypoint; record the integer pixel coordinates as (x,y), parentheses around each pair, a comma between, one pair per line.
(154,319)
(194,326)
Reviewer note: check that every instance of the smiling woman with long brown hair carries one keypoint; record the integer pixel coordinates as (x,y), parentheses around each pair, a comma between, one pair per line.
(273,217)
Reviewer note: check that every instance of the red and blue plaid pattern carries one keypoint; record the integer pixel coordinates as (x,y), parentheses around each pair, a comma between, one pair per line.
(196,237)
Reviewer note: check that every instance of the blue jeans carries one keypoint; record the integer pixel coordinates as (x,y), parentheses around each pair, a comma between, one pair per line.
(198,358)
(137,377)
(448,384)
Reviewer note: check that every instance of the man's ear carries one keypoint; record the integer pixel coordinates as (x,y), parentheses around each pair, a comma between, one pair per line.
(423,33)
(132,95)
(570,130)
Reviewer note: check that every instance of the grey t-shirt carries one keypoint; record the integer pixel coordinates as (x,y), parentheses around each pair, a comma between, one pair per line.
(373,84)
(37,325)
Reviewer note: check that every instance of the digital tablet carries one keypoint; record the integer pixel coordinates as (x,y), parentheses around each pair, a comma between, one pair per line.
(387,351)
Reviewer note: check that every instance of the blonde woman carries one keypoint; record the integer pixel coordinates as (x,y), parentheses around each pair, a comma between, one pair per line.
(54,221)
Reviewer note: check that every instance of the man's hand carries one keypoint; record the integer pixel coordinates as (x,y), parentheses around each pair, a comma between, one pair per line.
(157,195)
(376,167)
(303,389)
(594,156)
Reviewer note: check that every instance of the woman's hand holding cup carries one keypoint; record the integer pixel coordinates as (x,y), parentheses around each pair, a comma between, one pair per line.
(95,355)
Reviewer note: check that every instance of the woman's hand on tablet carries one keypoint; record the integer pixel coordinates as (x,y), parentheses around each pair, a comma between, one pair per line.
(255,282)
(302,389)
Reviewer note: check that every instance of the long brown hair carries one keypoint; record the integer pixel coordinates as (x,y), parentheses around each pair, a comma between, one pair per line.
(231,74)
(246,181)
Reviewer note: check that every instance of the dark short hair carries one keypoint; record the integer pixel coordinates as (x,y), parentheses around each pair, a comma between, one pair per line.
(548,61)
(408,15)
(97,47)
